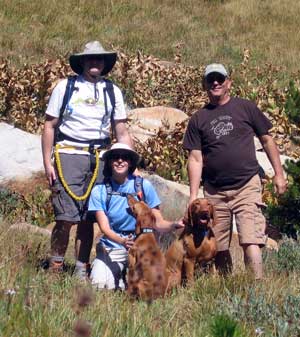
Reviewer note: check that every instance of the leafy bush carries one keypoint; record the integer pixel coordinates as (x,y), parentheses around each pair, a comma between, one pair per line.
(32,206)
(292,104)
(285,213)
(286,260)
(148,81)
(284,313)
(225,326)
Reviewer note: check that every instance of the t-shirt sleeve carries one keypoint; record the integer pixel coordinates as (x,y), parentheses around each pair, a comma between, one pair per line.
(192,136)
(97,200)
(261,124)
(151,196)
(56,99)
(120,111)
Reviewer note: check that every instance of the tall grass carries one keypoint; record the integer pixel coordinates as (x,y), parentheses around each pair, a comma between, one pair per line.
(36,303)
(205,30)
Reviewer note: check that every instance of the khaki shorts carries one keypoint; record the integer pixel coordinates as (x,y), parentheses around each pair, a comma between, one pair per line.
(246,205)
(77,173)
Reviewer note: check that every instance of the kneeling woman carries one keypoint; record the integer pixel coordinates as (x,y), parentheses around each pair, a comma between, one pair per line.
(108,201)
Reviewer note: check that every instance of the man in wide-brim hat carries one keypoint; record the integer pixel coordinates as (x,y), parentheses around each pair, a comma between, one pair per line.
(80,116)
(93,50)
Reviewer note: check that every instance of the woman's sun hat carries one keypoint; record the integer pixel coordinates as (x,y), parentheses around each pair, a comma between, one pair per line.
(93,48)
(123,149)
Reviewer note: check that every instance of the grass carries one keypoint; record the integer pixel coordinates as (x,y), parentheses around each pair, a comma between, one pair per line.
(36,303)
(204,30)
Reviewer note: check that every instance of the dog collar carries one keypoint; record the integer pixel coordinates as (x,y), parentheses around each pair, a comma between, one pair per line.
(145,231)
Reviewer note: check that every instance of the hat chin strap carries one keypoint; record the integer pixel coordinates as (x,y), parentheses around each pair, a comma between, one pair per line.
(92,78)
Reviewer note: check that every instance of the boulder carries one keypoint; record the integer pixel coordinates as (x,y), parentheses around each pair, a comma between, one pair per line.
(20,152)
(174,197)
(264,162)
(27,227)
(145,122)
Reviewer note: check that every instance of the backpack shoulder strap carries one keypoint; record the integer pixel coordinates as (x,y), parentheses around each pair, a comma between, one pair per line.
(67,96)
(138,186)
(108,187)
(109,89)
(68,93)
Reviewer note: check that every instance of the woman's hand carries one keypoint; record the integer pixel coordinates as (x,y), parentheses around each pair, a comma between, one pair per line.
(128,241)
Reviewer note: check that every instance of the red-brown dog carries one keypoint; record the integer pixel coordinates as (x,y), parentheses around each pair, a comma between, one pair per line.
(147,277)
(196,244)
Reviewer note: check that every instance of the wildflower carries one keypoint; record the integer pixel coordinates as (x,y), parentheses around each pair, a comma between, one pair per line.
(10,292)
(259,331)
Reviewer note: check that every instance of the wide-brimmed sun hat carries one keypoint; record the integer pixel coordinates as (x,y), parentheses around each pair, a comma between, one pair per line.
(122,149)
(215,68)
(93,48)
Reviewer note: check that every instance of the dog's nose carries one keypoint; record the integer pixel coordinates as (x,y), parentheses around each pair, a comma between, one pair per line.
(204,217)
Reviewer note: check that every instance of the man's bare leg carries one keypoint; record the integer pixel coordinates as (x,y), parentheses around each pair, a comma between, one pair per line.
(253,259)
(59,244)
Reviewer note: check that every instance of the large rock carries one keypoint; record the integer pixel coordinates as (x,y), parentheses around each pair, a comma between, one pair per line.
(21,153)
(264,162)
(145,122)
(174,197)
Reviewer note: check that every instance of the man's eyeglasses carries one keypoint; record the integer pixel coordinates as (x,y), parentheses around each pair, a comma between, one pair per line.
(122,156)
(215,77)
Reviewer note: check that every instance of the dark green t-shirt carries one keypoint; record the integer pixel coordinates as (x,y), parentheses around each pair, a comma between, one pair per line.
(225,134)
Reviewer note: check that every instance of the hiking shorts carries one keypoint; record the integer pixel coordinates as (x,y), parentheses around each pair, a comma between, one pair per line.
(109,268)
(77,173)
(246,205)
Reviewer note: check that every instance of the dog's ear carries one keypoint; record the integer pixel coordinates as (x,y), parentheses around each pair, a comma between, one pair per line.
(131,201)
(187,218)
(213,215)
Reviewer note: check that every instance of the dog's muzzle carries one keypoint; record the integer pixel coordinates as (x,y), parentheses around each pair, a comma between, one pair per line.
(204,218)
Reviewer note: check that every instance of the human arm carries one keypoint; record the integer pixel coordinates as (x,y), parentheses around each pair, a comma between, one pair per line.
(47,144)
(195,166)
(272,152)
(122,133)
(163,225)
(104,226)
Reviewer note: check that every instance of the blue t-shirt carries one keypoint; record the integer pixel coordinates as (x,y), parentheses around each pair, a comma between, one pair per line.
(119,215)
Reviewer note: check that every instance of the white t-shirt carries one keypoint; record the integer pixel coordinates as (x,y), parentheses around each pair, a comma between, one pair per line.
(83,115)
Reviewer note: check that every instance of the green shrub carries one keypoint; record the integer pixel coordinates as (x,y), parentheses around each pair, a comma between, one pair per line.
(284,313)
(225,326)
(287,259)
(292,104)
(285,214)
(33,207)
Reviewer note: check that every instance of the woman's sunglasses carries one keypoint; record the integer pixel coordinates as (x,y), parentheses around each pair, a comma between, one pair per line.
(122,156)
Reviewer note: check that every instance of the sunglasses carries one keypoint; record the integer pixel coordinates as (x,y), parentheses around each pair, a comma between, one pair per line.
(93,57)
(122,156)
(215,77)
